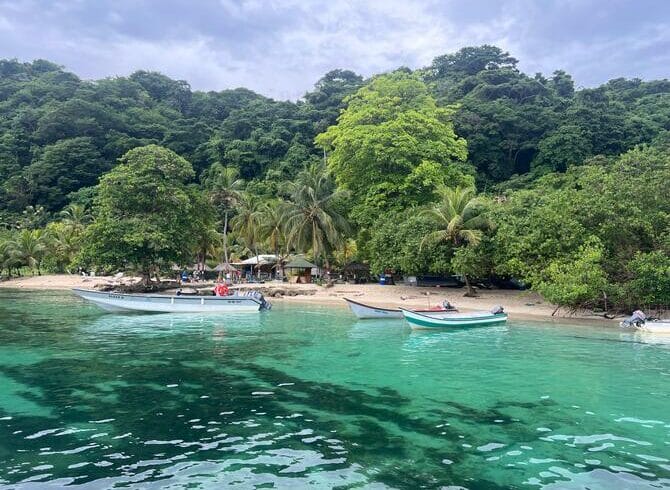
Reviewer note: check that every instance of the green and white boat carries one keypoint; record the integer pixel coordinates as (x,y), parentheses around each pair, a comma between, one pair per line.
(454,320)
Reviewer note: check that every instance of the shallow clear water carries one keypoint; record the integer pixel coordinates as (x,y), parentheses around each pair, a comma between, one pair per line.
(309,397)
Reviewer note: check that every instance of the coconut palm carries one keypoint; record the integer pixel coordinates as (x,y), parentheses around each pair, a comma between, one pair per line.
(29,247)
(8,257)
(459,219)
(207,245)
(312,218)
(62,244)
(225,192)
(246,222)
(76,217)
(272,223)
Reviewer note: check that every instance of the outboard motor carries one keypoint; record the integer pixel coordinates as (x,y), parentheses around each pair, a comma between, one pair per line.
(447,306)
(265,304)
(497,310)
(637,319)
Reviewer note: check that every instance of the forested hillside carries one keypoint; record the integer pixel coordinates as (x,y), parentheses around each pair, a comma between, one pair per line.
(566,175)
(59,133)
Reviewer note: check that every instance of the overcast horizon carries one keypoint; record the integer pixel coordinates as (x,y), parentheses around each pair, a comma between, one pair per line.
(280,49)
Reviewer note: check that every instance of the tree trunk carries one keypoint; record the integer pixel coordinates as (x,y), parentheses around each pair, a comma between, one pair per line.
(225,236)
(146,276)
(471,292)
(258,266)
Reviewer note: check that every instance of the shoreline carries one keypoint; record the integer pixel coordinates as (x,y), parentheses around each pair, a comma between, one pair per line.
(524,305)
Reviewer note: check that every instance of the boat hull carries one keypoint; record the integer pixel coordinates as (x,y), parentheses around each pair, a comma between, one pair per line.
(365,312)
(662,326)
(120,302)
(452,320)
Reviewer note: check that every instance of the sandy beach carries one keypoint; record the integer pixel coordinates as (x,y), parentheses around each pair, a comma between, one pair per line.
(519,304)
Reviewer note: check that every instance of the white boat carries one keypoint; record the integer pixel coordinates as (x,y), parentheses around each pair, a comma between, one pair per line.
(365,312)
(453,320)
(655,326)
(158,303)
(640,322)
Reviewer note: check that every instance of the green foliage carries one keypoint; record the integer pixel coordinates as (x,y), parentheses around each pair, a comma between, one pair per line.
(650,280)
(578,176)
(575,281)
(460,218)
(395,243)
(473,261)
(59,134)
(312,218)
(145,213)
(620,203)
(391,144)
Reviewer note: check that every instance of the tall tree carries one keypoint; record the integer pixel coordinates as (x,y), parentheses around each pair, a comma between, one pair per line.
(312,215)
(225,190)
(246,222)
(392,129)
(145,213)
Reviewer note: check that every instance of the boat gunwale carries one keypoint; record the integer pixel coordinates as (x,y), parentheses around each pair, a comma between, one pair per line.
(390,310)
(163,296)
(398,309)
(489,316)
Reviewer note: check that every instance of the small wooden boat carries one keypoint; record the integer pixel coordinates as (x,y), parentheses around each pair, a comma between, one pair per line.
(158,303)
(365,312)
(452,320)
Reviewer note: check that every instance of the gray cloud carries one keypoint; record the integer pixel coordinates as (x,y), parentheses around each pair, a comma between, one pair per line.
(280,48)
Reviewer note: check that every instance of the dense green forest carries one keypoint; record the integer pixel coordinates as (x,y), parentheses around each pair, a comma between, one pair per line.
(466,166)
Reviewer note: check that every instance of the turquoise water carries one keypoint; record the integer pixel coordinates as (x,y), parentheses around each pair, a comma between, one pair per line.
(309,397)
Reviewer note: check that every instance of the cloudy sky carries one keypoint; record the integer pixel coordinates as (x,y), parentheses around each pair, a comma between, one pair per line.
(281,47)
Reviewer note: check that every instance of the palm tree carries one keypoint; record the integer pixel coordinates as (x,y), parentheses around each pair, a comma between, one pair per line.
(225,191)
(312,218)
(29,247)
(459,219)
(76,217)
(207,245)
(62,242)
(8,258)
(272,224)
(246,222)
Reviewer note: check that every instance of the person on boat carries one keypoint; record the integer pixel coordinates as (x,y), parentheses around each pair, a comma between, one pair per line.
(220,289)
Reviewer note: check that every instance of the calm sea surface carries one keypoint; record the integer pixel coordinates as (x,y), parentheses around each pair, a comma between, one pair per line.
(309,397)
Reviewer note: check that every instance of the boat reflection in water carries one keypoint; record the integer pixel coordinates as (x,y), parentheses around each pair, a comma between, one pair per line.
(171,324)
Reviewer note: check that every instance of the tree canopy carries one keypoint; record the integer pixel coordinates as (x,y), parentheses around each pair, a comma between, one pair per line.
(392,146)
(145,213)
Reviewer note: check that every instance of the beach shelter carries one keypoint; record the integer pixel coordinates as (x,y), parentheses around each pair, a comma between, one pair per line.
(223,267)
(300,269)
(258,263)
(226,269)
(201,267)
(356,272)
